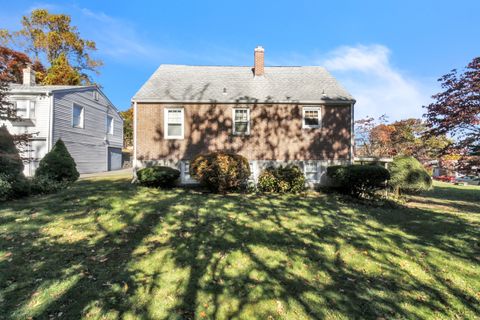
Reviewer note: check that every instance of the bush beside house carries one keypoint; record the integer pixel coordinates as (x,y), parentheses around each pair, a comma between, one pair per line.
(56,170)
(408,176)
(11,165)
(58,164)
(358,180)
(284,179)
(158,177)
(220,171)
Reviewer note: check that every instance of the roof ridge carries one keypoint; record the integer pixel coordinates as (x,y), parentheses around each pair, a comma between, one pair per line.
(232,66)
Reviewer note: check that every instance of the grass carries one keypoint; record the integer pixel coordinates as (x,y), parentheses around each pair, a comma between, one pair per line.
(105,249)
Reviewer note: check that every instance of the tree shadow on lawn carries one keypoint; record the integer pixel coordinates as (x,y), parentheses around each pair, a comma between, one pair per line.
(180,254)
(454,193)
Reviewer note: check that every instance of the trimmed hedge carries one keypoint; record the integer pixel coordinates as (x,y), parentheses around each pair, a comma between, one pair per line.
(158,177)
(58,164)
(46,185)
(358,180)
(408,176)
(220,171)
(288,179)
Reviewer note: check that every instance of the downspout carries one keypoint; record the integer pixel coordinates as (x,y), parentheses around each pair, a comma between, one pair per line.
(50,124)
(134,162)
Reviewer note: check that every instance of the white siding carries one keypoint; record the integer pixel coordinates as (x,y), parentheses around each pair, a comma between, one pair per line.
(87,145)
(40,128)
(42,114)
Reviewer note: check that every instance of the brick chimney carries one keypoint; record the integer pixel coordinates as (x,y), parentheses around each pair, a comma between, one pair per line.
(259,68)
(28,76)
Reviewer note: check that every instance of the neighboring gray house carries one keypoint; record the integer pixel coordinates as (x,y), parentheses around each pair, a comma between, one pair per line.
(82,116)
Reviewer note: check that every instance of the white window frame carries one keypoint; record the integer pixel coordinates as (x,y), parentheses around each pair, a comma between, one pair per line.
(82,116)
(106,124)
(248,121)
(312,108)
(31,103)
(165,123)
(317,171)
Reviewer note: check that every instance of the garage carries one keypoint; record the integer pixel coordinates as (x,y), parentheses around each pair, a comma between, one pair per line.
(114,159)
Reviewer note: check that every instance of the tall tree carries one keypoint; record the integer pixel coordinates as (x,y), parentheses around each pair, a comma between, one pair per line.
(48,36)
(377,138)
(7,110)
(127,127)
(456,110)
(373,137)
(62,73)
(14,62)
(10,62)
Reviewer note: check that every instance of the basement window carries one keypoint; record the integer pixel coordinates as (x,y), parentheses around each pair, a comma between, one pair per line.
(174,123)
(311,171)
(312,117)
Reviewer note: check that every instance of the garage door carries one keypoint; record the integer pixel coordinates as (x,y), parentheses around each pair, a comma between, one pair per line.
(114,159)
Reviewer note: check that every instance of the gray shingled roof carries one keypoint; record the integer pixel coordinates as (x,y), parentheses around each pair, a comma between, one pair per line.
(180,83)
(15,87)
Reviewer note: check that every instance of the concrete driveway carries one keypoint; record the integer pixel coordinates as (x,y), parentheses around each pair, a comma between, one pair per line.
(122,172)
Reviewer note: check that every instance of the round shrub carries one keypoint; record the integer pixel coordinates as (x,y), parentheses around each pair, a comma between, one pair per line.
(158,177)
(408,176)
(11,165)
(282,179)
(358,180)
(267,181)
(220,171)
(58,164)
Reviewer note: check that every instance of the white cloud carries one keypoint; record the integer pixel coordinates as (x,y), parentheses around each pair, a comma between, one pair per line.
(117,38)
(379,88)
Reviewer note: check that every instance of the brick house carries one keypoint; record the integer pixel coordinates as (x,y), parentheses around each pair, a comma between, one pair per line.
(270,115)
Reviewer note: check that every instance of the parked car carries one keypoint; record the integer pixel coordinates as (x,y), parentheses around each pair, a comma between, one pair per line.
(468,180)
(445,178)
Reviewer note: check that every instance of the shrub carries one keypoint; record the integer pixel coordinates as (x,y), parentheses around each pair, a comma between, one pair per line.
(11,165)
(220,171)
(408,176)
(21,187)
(358,180)
(58,164)
(5,188)
(282,179)
(157,176)
(45,185)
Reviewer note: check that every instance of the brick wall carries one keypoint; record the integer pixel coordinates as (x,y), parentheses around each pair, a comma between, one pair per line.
(275,133)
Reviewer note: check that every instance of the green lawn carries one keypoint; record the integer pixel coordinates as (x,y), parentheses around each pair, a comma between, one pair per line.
(105,249)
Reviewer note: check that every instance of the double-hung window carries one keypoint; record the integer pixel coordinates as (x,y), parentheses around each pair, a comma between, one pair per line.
(312,117)
(25,109)
(174,123)
(109,124)
(241,121)
(78,117)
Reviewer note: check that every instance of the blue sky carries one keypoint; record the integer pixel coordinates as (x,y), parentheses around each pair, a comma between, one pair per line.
(388,54)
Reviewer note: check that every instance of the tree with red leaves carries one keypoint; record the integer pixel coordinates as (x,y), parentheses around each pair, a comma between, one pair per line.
(13,62)
(456,110)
